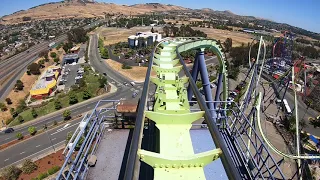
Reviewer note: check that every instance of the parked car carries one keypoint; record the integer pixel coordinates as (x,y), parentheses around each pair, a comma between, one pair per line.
(233,94)
(9,130)
(134,94)
(132,83)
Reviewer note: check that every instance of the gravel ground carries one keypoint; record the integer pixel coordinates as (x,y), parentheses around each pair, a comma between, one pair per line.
(109,155)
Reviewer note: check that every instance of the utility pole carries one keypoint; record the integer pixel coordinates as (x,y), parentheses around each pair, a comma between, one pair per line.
(45,129)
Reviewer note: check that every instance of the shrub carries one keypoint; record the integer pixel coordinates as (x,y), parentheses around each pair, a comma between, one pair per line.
(34,113)
(11,173)
(53,170)
(28,166)
(56,60)
(3,107)
(55,123)
(57,105)
(124,66)
(20,119)
(32,130)
(8,100)
(86,94)
(66,115)
(72,98)
(42,176)
(53,54)
(19,136)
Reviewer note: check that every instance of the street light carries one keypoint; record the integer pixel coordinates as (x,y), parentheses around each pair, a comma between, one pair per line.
(45,129)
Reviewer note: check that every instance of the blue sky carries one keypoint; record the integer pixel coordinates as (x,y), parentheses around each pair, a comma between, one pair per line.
(301,13)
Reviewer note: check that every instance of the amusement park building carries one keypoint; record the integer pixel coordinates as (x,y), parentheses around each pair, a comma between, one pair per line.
(46,83)
(142,39)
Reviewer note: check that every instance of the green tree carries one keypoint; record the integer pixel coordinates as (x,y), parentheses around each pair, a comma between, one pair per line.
(57,104)
(34,113)
(19,85)
(86,94)
(67,46)
(77,35)
(34,68)
(19,136)
(152,30)
(28,166)
(32,130)
(102,81)
(11,173)
(227,44)
(234,72)
(56,60)
(66,114)
(82,83)
(73,99)
(41,62)
(53,54)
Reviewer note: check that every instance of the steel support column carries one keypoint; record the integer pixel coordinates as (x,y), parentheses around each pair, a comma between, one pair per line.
(206,82)
(218,90)
(194,74)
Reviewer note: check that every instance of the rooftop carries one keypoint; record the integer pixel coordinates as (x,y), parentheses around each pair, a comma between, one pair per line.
(111,150)
(71,56)
(127,107)
(75,48)
(42,86)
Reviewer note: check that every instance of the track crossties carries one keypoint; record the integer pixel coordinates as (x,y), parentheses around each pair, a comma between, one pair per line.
(173,118)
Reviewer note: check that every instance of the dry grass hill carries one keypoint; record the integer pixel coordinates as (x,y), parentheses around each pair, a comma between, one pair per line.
(74,9)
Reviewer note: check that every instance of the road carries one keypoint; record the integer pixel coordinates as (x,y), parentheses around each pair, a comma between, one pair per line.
(100,65)
(42,141)
(301,107)
(302,110)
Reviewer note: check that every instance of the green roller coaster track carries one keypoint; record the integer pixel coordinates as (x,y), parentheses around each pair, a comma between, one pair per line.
(172,115)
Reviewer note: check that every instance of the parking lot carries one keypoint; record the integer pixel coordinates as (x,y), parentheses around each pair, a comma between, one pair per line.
(69,74)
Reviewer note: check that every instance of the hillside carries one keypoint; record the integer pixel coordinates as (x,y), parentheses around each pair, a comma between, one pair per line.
(81,9)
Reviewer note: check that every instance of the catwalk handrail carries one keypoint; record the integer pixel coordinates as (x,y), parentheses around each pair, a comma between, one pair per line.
(226,160)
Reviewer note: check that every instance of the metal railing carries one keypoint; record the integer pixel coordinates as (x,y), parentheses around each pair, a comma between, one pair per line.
(91,129)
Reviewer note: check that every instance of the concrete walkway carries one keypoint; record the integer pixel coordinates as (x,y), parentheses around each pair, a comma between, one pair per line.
(109,155)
